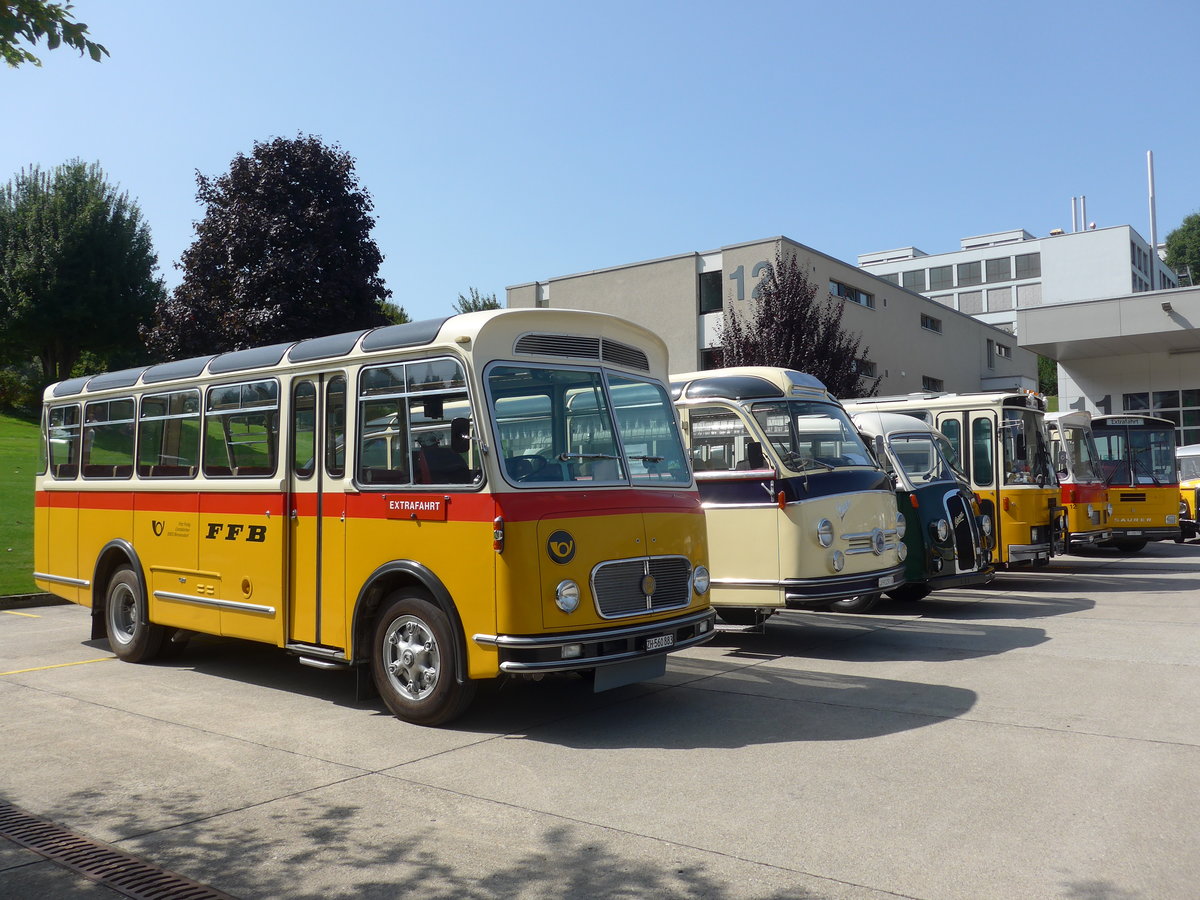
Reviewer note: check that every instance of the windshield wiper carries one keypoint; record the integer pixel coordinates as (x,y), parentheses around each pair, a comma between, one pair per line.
(567,457)
(802,464)
(652,459)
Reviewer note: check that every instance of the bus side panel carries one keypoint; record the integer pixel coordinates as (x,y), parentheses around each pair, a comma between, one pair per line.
(166,529)
(61,531)
(103,516)
(242,541)
(336,601)
(458,553)
(743,545)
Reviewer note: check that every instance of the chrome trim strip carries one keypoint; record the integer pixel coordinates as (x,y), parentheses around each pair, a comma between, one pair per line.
(810,582)
(219,604)
(526,642)
(570,665)
(62,579)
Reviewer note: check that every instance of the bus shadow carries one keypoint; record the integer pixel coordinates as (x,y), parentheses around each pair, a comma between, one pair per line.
(994,606)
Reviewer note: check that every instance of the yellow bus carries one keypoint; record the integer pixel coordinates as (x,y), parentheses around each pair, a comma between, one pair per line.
(1083,491)
(1138,456)
(1187,463)
(432,504)
(800,514)
(1002,445)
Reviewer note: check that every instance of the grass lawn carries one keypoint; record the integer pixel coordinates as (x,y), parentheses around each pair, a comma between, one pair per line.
(18,462)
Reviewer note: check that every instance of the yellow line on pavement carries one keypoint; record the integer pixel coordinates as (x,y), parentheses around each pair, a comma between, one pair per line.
(13,612)
(82,662)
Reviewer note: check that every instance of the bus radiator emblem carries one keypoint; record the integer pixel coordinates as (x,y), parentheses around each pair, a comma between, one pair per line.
(561,547)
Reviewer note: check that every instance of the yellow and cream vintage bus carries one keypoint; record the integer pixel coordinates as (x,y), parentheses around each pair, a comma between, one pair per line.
(1138,456)
(432,504)
(800,514)
(1187,462)
(1002,445)
(1083,492)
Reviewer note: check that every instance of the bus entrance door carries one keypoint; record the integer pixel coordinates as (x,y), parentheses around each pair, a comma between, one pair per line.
(317,507)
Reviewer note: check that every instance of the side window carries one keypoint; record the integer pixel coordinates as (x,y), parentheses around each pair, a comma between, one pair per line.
(63,432)
(719,440)
(335,427)
(952,429)
(169,435)
(982,451)
(409,415)
(241,430)
(304,429)
(108,438)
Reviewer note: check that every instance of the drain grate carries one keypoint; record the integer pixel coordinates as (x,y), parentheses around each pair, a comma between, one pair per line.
(113,868)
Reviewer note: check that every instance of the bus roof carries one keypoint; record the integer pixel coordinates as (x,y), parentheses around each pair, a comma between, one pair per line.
(567,335)
(947,400)
(888,423)
(747,383)
(1080,418)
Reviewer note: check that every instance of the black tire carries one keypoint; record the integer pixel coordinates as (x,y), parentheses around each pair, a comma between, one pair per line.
(1129,545)
(740,615)
(126,622)
(910,592)
(860,604)
(414,653)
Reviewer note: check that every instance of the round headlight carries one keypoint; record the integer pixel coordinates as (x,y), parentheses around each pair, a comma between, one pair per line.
(566,596)
(837,560)
(985,524)
(941,530)
(1110,509)
(825,533)
(1183,508)
(1090,510)
(700,580)
(902,552)
(901,525)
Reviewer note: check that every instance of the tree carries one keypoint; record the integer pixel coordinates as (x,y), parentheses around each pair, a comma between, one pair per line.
(395,315)
(1183,249)
(283,252)
(77,270)
(476,302)
(789,326)
(31,20)
(1047,376)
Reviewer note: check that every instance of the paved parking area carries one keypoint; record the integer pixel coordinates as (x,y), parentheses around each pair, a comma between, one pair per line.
(1036,738)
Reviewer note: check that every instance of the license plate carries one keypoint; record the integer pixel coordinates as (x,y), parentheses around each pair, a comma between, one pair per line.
(1133,532)
(660,641)
(887,580)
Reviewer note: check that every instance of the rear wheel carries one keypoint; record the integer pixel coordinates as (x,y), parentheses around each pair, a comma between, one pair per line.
(414,658)
(126,620)
(911,592)
(860,604)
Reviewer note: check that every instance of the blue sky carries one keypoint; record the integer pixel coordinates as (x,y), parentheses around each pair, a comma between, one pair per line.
(507,143)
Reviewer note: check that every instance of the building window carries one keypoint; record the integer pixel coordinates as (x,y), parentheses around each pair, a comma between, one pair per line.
(710,292)
(865,368)
(941,278)
(932,384)
(970,302)
(999,269)
(929,323)
(969,273)
(1136,401)
(914,280)
(944,299)
(991,354)
(1004,351)
(854,295)
(1029,265)
(999,298)
(711,358)
(1029,294)
(893,277)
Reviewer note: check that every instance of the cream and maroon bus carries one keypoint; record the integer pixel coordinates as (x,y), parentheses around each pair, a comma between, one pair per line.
(432,504)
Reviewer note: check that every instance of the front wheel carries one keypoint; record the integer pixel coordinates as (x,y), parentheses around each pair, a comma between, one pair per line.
(860,604)
(910,592)
(414,658)
(127,622)
(741,615)
(1129,545)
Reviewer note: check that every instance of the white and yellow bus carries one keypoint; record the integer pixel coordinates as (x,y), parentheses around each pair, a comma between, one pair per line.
(800,514)
(432,504)
(1083,491)
(1002,445)
(1137,454)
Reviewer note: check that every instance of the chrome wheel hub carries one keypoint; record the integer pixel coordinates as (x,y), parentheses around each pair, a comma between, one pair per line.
(411,657)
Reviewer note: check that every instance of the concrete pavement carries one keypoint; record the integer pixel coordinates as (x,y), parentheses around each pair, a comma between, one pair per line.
(1038,738)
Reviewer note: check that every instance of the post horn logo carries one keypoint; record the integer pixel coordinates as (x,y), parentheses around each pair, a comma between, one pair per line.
(561,547)
(158,527)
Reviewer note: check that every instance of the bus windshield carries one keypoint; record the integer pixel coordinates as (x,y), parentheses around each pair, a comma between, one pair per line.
(582,427)
(1137,455)
(1189,468)
(808,434)
(1026,448)
(922,459)
(1076,456)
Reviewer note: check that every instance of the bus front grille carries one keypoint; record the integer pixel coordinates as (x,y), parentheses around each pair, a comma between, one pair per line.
(620,587)
(960,516)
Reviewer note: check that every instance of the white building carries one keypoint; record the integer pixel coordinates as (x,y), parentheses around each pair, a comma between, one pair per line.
(994,275)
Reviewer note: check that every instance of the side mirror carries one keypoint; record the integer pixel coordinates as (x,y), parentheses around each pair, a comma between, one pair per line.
(460,435)
(755,456)
(880,450)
